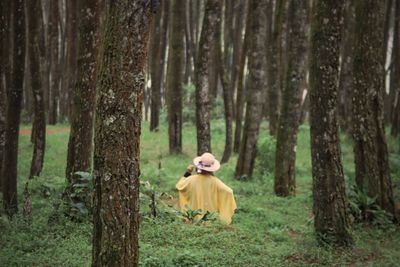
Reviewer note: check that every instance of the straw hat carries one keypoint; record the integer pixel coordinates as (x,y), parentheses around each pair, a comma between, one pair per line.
(207,162)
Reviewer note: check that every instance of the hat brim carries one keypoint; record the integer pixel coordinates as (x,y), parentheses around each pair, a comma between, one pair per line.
(213,168)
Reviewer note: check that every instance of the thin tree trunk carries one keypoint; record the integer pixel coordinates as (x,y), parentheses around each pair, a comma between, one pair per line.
(54,63)
(175,76)
(4,73)
(202,71)
(285,160)
(331,221)
(370,148)
(14,100)
(257,63)
(274,52)
(71,51)
(240,91)
(395,77)
(34,18)
(84,93)
(121,80)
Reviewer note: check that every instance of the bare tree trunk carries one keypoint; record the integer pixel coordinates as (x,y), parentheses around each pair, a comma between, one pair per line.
(34,18)
(274,52)
(257,63)
(71,51)
(370,148)
(240,91)
(84,92)
(202,71)
(285,160)
(121,80)
(395,77)
(54,63)
(4,73)
(331,221)
(14,99)
(175,76)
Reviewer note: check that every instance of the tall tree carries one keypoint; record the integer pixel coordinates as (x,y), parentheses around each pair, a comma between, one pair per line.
(14,98)
(257,65)
(4,73)
(240,90)
(34,18)
(121,80)
(84,92)
(285,160)
(395,78)
(54,62)
(274,52)
(175,75)
(71,53)
(211,20)
(331,220)
(370,148)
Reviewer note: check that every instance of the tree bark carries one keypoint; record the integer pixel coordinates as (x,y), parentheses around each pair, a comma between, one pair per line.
(54,63)
(175,76)
(395,77)
(4,73)
(240,91)
(14,100)
(202,70)
(370,148)
(257,64)
(285,160)
(121,80)
(331,220)
(34,18)
(71,54)
(274,52)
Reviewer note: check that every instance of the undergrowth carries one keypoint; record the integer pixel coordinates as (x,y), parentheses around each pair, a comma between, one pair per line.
(266,230)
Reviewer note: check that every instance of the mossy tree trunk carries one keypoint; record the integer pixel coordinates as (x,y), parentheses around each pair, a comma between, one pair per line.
(121,79)
(79,155)
(14,101)
(331,220)
(34,17)
(256,92)
(176,58)
(370,148)
(202,71)
(285,160)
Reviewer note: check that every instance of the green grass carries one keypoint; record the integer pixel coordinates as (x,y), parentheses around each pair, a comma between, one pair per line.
(266,230)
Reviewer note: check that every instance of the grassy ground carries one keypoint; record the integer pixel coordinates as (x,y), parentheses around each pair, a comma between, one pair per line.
(266,231)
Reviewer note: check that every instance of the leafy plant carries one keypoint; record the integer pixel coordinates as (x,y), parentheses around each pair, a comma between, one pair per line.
(193,216)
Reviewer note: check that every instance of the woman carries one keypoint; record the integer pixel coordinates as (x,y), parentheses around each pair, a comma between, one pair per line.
(205,191)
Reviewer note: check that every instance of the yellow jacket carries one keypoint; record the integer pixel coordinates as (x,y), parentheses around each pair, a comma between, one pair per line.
(207,193)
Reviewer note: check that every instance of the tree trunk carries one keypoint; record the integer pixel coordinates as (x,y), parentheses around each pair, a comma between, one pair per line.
(202,71)
(71,51)
(370,148)
(346,68)
(116,172)
(4,73)
(240,91)
(285,160)
(395,77)
(175,76)
(34,18)
(84,93)
(54,63)
(274,52)
(331,220)
(257,63)
(14,100)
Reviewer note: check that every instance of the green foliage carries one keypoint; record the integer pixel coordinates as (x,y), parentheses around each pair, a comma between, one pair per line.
(266,154)
(197,216)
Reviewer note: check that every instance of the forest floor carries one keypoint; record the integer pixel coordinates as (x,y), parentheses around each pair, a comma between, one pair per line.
(266,230)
